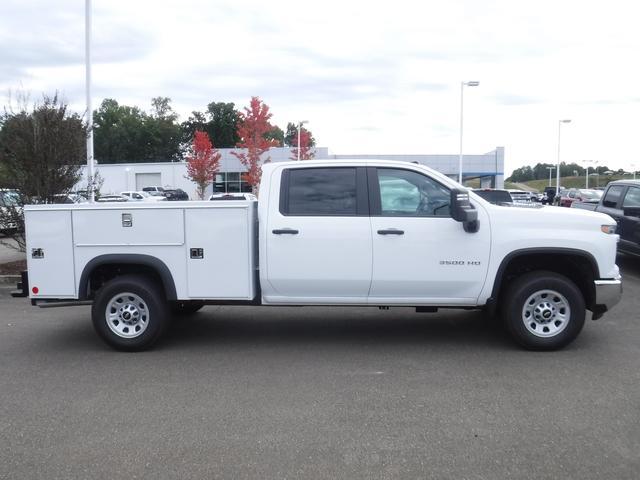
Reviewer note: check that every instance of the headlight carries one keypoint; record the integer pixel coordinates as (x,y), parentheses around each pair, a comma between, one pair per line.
(610,229)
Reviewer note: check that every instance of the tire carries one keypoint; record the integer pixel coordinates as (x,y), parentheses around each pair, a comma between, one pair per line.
(130,313)
(186,307)
(543,311)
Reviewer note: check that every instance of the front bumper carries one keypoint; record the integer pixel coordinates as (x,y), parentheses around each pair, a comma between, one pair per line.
(608,294)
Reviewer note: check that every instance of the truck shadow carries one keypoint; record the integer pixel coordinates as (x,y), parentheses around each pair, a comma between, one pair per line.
(289,326)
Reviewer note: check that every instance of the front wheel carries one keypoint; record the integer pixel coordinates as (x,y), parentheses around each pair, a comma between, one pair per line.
(129,313)
(543,311)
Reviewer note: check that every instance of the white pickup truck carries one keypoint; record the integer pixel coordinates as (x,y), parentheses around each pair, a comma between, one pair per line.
(350,233)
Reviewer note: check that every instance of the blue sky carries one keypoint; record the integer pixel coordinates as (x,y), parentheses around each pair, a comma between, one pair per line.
(371,77)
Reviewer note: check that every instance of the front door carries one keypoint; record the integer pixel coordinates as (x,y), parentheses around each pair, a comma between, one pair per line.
(420,254)
(629,225)
(318,239)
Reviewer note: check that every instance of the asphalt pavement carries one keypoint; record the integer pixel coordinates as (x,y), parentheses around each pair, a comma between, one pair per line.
(245,392)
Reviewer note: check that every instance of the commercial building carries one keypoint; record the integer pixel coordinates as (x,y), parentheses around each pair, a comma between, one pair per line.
(118,177)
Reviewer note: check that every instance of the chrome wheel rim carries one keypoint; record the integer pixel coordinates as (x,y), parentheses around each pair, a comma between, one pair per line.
(546,313)
(127,315)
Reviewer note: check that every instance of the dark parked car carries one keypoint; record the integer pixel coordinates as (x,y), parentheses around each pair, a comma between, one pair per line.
(175,194)
(621,200)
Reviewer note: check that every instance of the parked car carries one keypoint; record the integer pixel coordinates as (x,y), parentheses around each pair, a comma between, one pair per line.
(520,196)
(156,191)
(495,196)
(8,198)
(548,195)
(579,195)
(233,196)
(175,194)
(142,197)
(621,200)
(69,198)
(111,198)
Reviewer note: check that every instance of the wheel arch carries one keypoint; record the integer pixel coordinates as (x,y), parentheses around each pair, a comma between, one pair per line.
(123,263)
(577,265)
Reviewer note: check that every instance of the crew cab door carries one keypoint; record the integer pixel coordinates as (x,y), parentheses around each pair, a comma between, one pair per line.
(420,254)
(318,237)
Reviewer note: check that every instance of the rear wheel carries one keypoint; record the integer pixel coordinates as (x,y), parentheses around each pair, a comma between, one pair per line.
(129,313)
(543,310)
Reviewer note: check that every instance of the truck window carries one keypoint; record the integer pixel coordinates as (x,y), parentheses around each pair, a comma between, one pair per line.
(632,198)
(411,194)
(320,191)
(613,196)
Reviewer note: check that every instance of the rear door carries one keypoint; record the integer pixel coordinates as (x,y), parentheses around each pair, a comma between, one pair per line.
(420,254)
(318,239)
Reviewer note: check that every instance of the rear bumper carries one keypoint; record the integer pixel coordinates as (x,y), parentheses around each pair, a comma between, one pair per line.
(608,294)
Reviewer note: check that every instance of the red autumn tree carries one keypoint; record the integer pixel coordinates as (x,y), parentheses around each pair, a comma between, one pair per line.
(305,146)
(202,162)
(253,130)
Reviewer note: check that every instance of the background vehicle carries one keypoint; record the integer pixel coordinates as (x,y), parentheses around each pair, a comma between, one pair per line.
(233,196)
(520,196)
(175,194)
(579,195)
(155,190)
(8,198)
(497,197)
(142,197)
(621,201)
(111,198)
(69,198)
(344,232)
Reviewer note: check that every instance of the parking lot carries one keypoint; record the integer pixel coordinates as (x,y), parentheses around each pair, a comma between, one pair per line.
(240,392)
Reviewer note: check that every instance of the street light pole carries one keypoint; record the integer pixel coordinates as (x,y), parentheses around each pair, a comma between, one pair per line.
(550,170)
(462,85)
(87,40)
(300,123)
(560,122)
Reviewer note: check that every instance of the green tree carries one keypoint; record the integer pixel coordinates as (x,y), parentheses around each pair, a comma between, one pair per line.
(162,132)
(41,153)
(118,133)
(128,134)
(277,135)
(220,122)
(291,136)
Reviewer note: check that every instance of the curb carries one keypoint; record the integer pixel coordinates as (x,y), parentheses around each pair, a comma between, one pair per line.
(9,279)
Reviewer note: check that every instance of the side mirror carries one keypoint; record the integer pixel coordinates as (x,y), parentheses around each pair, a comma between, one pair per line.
(463,211)
(631,211)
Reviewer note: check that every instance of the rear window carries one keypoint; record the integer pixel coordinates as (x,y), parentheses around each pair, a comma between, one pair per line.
(613,196)
(319,191)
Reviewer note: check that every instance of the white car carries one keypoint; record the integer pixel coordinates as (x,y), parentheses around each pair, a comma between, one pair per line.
(233,196)
(142,197)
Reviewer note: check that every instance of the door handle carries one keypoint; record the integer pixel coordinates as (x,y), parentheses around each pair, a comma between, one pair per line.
(391,231)
(285,231)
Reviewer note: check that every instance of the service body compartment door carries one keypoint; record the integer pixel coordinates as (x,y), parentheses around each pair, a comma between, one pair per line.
(50,253)
(221,251)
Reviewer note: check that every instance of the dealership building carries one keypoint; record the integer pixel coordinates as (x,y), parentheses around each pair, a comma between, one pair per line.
(119,177)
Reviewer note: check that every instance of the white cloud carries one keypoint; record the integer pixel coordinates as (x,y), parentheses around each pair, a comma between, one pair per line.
(371,77)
